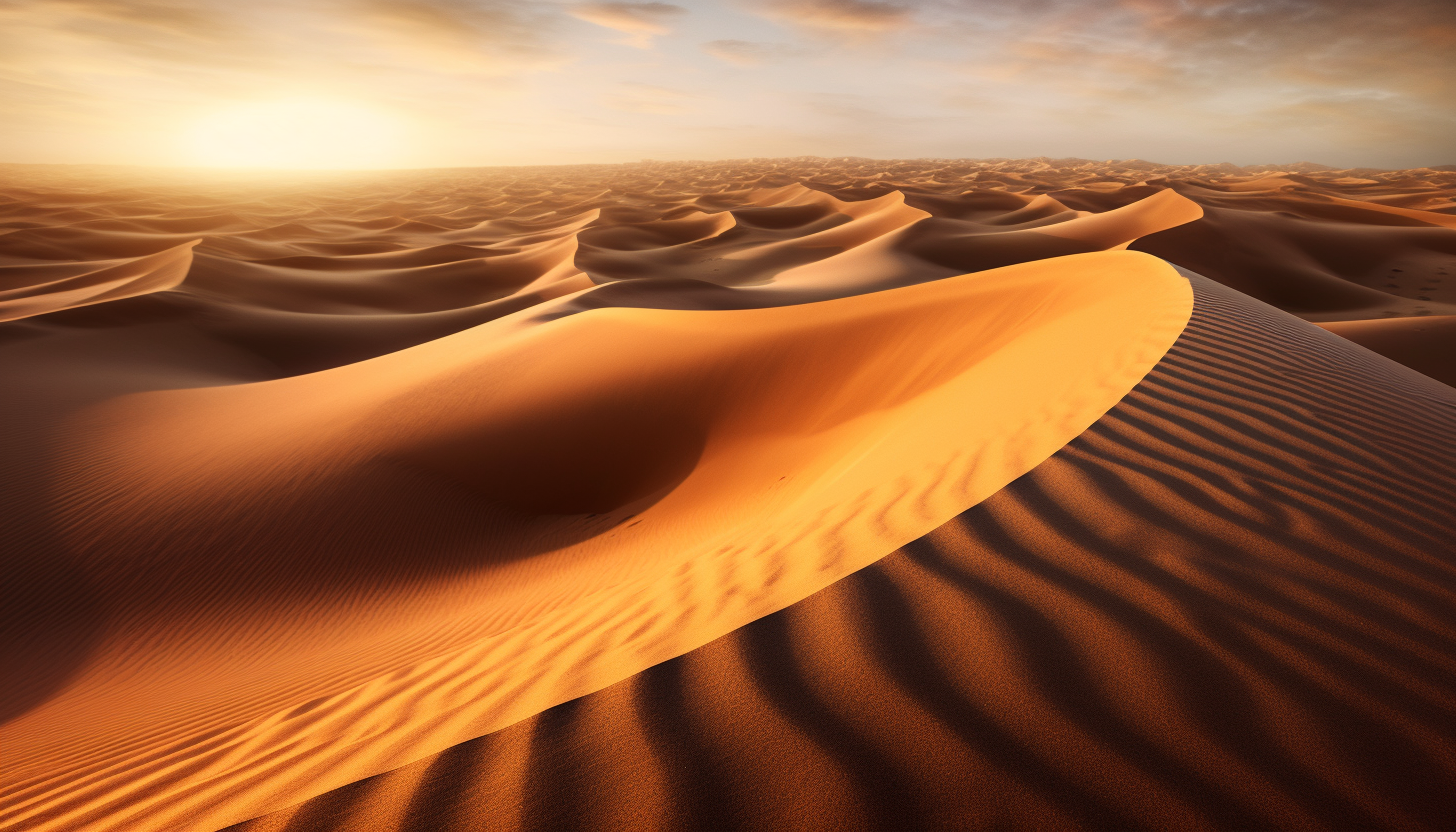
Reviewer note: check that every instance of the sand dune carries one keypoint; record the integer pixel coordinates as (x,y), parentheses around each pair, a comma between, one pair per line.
(50,287)
(1424,344)
(409,458)
(1204,613)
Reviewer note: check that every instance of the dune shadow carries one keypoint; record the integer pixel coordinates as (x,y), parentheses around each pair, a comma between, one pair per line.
(51,621)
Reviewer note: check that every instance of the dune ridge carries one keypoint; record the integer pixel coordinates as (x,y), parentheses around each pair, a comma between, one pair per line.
(37,289)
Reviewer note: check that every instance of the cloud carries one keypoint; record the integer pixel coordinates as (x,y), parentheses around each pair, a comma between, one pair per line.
(750,53)
(141,29)
(839,16)
(1370,119)
(845,107)
(650,99)
(135,56)
(462,36)
(78,62)
(640,21)
(1211,58)
(114,17)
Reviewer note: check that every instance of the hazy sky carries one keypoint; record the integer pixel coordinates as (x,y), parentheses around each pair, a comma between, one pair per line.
(487,82)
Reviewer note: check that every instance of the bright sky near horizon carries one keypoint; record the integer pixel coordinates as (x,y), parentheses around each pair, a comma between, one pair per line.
(427,83)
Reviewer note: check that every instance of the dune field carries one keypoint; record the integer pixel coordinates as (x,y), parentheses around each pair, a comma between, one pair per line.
(769,494)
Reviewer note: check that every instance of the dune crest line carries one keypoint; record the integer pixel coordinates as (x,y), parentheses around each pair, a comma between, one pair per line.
(37,289)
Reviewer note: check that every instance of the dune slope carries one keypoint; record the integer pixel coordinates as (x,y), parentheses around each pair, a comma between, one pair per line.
(1425,344)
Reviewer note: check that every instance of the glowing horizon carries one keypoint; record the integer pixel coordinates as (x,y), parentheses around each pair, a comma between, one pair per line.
(400,84)
(295,134)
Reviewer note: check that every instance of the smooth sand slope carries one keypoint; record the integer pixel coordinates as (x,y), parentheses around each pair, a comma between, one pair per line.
(406,459)
(1424,344)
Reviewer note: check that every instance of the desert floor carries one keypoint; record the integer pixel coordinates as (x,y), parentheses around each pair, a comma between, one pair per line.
(788,493)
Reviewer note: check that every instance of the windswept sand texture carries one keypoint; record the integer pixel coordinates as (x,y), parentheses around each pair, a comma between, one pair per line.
(727,495)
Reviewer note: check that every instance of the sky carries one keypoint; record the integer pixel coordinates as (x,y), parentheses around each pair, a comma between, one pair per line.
(445,83)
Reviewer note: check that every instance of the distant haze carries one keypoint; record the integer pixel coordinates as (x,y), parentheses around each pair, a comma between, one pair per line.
(433,83)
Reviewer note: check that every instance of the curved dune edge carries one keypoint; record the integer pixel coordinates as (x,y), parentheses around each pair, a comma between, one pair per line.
(1427,217)
(31,290)
(831,434)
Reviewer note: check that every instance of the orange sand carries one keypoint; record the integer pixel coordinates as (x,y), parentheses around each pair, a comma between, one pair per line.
(408,458)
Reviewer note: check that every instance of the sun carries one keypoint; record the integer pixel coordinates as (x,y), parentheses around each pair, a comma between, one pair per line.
(296,133)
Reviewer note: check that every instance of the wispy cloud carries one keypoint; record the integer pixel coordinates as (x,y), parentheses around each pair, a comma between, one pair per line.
(750,53)
(1221,62)
(633,97)
(841,16)
(491,38)
(138,56)
(641,22)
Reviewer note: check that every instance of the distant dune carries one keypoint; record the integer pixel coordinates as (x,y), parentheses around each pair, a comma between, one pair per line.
(797,493)
(1424,344)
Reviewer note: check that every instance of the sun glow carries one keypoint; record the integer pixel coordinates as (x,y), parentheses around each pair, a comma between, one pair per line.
(296,133)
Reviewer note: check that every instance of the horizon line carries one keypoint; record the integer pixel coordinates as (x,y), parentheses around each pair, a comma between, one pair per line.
(243,169)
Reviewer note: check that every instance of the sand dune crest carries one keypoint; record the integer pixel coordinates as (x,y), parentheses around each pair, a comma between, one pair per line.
(27,290)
